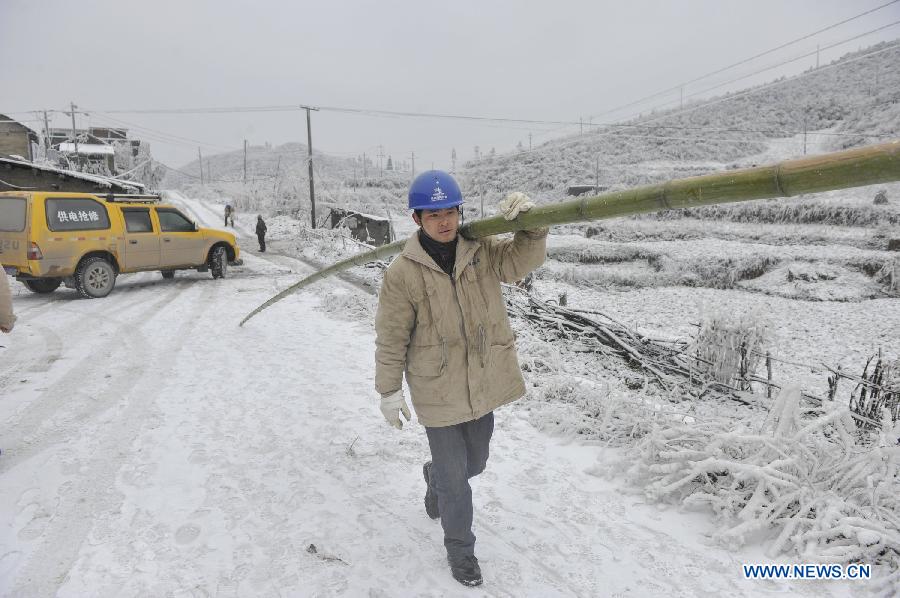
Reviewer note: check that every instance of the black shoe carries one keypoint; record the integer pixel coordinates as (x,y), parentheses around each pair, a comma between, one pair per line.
(431,499)
(465,570)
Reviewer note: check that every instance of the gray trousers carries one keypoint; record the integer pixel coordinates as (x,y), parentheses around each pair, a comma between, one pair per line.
(458,453)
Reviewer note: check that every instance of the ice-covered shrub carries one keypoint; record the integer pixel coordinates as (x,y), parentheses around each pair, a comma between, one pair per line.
(600,254)
(343,305)
(728,346)
(877,393)
(801,474)
(889,276)
(785,212)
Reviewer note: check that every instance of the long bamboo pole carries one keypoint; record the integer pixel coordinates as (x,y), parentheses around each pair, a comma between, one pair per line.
(868,165)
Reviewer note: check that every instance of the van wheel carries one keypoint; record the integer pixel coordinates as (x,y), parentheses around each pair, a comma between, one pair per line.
(218,262)
(168,274)
(42,285)
(95,278)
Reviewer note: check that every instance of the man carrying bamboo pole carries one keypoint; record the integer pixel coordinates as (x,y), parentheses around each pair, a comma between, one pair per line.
(442,321)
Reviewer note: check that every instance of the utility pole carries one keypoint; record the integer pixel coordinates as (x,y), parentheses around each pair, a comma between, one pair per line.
(312,187)
(581,125)
(682,97)
(380,156)
(805,110)
(200,164)
(413,174)
(597,175)
(481,195)
(46,136)
(817,55)
(529,142)
(364,166)
(74,134)
(245,161)
(278,170)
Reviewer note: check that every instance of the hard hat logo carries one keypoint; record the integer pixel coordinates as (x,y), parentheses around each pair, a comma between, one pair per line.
(438,194)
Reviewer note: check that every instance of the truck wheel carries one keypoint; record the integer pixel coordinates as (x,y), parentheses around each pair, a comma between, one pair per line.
(218,262)
(42,285)
(95,278)
(168,274)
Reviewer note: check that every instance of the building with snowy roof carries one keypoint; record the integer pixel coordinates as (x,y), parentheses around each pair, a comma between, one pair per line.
(22,175)
(16,139)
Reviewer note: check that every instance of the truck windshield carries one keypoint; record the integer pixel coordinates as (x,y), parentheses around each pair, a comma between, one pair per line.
(12,214)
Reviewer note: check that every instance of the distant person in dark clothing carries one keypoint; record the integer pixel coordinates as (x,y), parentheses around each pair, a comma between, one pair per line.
(229,214)
(261,232)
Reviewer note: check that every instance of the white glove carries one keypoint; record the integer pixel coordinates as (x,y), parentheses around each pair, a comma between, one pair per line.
(392,406)
(514,203)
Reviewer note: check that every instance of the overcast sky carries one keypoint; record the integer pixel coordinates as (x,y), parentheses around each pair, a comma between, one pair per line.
(538,60)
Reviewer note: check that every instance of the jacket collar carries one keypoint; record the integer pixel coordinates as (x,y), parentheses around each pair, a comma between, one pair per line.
(465,249)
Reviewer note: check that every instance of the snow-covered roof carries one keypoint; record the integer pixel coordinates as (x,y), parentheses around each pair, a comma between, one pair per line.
(88,149)
(94,178)
(350,212)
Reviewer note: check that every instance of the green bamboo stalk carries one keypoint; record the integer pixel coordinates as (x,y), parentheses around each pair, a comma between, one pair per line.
(868,165)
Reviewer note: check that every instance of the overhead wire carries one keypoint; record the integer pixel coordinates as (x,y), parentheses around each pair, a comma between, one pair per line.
(766,86)
(744,61)
(169,138)
(392,113)
(476,118)
(807,55)
(755,89)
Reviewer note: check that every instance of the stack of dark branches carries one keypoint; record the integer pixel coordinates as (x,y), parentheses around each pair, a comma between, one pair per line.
(666,362)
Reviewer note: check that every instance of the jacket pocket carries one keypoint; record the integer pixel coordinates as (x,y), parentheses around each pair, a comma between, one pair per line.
(425,365)
(426,360)
(503,354)
(504,376)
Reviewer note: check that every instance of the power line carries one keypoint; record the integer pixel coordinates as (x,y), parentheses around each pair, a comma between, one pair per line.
(758,89)
(409,114)
(173,139)
(412,114)
(744,61)
(766,86)
(165,134)
(807,55)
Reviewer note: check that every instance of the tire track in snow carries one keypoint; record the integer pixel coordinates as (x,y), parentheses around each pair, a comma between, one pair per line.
(55,416)
(93,495)
(26,357)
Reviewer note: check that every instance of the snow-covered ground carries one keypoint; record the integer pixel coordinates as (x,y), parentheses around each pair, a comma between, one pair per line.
(151,447)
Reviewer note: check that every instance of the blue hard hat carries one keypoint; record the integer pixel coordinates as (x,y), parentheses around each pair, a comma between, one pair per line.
(434,190)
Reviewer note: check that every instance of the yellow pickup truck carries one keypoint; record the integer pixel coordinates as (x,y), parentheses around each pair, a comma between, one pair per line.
(86,240)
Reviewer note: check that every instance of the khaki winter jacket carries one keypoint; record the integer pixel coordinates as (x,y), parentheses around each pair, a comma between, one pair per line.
(7,319)
(451,337)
